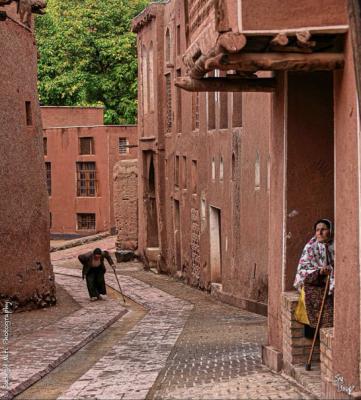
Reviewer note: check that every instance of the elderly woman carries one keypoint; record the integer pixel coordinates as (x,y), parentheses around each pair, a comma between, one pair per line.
(316,262)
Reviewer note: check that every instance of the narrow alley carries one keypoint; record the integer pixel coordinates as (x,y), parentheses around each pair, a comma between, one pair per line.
(169,341)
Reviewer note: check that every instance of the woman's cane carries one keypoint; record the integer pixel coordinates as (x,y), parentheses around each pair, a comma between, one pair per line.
(308,365)
(120,289)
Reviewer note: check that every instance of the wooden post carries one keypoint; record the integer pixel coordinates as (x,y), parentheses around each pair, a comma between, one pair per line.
(276,62)
(227,84)
(354,12)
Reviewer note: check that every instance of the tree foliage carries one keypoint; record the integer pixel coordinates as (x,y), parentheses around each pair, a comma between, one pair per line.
(88,56)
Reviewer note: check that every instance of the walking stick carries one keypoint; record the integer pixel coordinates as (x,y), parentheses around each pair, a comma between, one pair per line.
(308,365)
(120,289)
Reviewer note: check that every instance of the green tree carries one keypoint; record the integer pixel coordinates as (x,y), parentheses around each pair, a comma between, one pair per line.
(88,56)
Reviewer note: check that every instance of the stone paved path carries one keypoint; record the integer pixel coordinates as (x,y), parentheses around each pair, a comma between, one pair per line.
(188,345)
(34,355)
(67,255)
(130,369)
(218,354)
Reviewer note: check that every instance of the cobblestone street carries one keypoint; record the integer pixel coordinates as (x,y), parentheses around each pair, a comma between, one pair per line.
(181,344)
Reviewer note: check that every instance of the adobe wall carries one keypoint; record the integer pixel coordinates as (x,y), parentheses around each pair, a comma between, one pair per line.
(26,277)
(347,245)
(125,182)
(306,13)
(185,202)
(63,153)
(56,117)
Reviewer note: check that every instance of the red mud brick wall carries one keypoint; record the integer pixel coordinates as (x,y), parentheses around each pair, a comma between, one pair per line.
(26,275)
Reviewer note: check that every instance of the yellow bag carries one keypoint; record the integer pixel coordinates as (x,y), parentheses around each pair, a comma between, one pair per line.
(300,312)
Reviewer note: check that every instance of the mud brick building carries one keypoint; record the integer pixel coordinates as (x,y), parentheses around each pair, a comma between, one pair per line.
(249,132)
(80,154)
(26,274)
(204,165)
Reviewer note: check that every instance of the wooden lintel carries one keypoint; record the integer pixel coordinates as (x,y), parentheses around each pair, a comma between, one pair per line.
(276,62)
(228,84)
(328,30)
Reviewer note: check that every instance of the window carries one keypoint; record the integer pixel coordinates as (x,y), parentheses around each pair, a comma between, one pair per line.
(178,40)
(195,111)
(86,179)
(29,116)
(194,177)
(123,146)
(167,46)
(237,109)
(221,169)
(184,175)
(257,172)
(86,145)
(223,118)
(145,79)
(269,173)
(176,171)
(50,220)
(86,222)
(45,145)
(233,167)
(211,108)
(151,77)
(48,177)
(169,102)
(213,169)
(179,104)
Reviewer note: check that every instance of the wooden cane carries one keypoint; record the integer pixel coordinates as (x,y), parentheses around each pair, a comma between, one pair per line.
(120,289)
(308,365)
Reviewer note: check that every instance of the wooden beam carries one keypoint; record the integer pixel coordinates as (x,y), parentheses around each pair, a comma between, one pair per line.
(226,84)
(328,30)
(276,62)
(280,39)
(304,39)
(354,13)
(231,42)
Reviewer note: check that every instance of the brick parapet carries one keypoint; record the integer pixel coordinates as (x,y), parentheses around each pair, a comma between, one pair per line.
(296,347)
(327,378)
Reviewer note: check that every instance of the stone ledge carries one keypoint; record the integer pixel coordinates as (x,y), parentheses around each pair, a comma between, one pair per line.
(245,304)
(272,358)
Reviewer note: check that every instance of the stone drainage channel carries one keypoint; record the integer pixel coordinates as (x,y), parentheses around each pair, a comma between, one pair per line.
(125,360)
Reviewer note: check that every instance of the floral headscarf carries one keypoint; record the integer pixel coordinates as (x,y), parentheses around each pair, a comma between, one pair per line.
(313,258)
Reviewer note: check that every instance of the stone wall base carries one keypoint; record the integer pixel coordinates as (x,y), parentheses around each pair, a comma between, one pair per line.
(272,358)
(245,304)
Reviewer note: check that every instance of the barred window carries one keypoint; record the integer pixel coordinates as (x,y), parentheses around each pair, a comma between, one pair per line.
(86,145)
(86,179)
(123,146)
(48,177)
(169,102)
(45,145)
(86,222)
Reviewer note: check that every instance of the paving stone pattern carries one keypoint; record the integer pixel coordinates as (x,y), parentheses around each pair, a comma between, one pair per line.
(218,354)
(34,355)
(130,369)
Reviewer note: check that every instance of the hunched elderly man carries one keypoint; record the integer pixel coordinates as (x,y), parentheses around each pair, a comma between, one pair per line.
(94,270)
